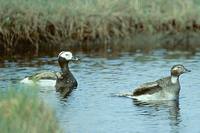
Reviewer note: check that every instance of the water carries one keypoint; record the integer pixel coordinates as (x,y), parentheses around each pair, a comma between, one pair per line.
(92,107)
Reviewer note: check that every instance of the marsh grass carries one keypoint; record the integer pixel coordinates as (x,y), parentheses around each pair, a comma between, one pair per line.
(28,26)
(21,111)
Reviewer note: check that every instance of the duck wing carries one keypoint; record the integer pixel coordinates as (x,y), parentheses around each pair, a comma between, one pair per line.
(147,88)
(44,75)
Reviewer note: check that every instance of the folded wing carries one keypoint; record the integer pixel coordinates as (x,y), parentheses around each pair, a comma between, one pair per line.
(44,75)
(147,88)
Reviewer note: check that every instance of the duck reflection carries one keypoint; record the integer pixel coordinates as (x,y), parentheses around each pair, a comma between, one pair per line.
(158,108)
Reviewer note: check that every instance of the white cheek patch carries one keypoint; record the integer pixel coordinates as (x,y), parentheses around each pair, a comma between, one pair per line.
(66,55)
(175,69)
(174,79)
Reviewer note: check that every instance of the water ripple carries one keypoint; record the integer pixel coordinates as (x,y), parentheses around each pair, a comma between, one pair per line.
(92,107)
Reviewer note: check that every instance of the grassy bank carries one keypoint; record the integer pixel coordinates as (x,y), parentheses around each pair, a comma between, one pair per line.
(33,27)
(21,111)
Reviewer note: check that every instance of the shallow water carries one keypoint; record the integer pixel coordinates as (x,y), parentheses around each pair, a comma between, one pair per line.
(93,106)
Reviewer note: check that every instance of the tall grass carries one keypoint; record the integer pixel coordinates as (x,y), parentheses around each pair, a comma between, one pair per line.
(48,24)
(21,111)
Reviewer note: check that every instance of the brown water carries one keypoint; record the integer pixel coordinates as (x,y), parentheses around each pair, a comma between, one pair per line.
(92,107)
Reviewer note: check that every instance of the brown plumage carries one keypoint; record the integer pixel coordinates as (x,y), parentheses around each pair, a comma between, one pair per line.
(166,88)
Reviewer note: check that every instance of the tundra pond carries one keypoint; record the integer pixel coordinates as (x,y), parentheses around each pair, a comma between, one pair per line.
(94,106)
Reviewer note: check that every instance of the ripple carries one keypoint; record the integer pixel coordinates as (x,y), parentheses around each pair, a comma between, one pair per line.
(93,108)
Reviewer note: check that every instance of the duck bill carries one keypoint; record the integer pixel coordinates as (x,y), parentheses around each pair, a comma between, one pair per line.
(75,59)
(186,70)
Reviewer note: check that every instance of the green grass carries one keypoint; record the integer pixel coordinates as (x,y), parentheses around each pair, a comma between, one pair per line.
(48,25)
(22,111)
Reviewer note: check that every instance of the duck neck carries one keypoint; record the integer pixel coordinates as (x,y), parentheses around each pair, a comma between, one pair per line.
(65,69)
(174,79)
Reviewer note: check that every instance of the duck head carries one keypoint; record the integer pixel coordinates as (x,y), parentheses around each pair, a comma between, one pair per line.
(65,57)
(177,70)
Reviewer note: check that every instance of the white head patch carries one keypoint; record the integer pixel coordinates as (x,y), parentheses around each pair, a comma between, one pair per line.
(176,68)
(66,55)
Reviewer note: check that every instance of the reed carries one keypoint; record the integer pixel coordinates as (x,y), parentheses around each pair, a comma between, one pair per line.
(21,111)
(90,25)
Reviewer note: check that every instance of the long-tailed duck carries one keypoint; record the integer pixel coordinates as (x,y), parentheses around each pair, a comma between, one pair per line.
(167,88)
(64,81)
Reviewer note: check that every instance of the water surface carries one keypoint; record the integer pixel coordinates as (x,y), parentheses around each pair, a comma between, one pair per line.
(92,107)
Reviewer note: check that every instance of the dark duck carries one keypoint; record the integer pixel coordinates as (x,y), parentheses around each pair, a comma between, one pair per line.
(66,82)
(63,81)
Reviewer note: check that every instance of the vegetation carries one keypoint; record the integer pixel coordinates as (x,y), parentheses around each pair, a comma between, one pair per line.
(21,111)
(37,26)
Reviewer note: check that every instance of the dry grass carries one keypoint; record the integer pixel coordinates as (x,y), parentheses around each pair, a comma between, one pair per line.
(89,25)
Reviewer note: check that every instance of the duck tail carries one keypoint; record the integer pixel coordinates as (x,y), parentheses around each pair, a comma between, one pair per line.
(124,94)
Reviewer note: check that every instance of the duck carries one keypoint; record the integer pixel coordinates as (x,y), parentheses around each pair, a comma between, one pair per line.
(166,88)
(64,81)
